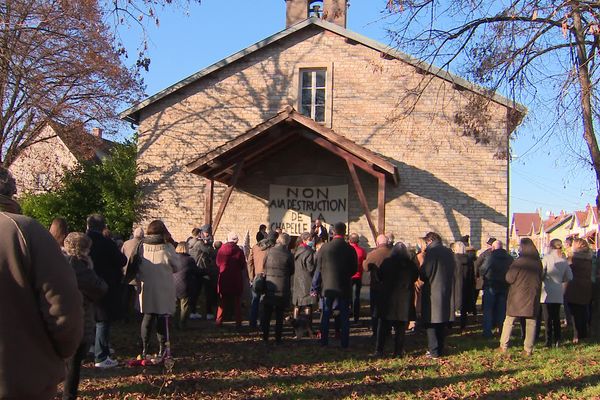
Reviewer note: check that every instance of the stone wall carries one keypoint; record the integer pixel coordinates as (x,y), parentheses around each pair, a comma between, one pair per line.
(449,182)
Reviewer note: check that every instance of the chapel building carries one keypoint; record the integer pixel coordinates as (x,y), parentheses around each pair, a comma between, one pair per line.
(319,121)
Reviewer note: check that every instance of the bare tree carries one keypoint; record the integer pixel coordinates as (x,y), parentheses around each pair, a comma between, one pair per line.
(523,46)
(61,61)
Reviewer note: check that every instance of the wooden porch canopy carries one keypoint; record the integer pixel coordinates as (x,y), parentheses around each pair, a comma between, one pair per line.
(227,162)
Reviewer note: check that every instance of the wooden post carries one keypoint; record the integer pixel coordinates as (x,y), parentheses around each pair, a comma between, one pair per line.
(381,203)
(208,201)
(227,195)
(362,198)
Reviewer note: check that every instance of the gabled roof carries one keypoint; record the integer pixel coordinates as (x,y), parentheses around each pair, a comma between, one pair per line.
(555,221)
(279,131)
(526,224)
(83,145)
(132,113)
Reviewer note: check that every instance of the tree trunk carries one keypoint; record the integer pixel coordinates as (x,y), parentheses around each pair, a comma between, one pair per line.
(586,95)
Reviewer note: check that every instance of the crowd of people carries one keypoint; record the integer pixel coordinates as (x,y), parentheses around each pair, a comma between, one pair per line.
(61,291)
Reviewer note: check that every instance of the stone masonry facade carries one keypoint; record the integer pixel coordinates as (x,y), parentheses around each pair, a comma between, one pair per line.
(449,182)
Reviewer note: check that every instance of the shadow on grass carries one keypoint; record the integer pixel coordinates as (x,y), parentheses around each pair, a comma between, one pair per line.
(544,388)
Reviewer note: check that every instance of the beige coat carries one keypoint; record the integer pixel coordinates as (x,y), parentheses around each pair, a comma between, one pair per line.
(155,277)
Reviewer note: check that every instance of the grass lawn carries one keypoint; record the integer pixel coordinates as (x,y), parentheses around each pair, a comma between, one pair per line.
(224,364)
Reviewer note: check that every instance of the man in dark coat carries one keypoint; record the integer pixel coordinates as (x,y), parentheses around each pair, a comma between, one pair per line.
(397,274)
(372,263)
(336,262)
(319,232)
(479,262)
(204,254)
(278,268)
(108,265)
(493,271)
(437,274)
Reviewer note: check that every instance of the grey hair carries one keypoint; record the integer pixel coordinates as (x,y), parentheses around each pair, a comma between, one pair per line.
(305,236)
(77,244)
(353,238)
(8,186)
(283,239)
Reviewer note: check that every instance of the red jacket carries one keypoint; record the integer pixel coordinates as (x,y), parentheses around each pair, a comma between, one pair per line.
(361,254)
(231,263)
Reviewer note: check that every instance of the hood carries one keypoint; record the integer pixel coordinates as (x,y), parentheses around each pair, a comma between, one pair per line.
(9,205)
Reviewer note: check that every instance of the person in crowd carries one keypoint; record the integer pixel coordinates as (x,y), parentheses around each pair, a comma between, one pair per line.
(256,265)
(336,262)
(418,259)
(319,232)
(361,255)
(129,248)
(204,254)
(556,274)
(59,231)
(77,248)
(187,282)
(304,270)
(568,248)
(578,293)
(193,238)
(156,286)
(278,268)
(372,263)
(262,233)
(108,263)
(35,336)
(524,277)
(437,274)
(397,274)
(231,263)
(464,283)
(131,245)
(495,289)
(478,263)
(391,239)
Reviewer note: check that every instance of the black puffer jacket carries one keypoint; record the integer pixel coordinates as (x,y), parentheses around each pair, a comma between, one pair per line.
(187,276)
(494,269)
(279,267)
(304,269)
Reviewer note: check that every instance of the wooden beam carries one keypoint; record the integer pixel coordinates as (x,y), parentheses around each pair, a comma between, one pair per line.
(362,198)
(208,200)
(381,204)
(227,195)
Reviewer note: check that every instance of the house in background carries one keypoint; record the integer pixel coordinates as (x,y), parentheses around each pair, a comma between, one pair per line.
(525,225)
(41,166)
(577,224)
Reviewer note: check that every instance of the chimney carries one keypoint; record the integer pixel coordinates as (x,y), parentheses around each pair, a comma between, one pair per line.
(333,11)
(97,132)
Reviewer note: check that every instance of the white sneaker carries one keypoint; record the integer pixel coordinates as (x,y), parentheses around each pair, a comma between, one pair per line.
(108,363)
(210,316)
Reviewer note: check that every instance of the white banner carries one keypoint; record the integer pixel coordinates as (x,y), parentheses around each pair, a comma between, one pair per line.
(295,208)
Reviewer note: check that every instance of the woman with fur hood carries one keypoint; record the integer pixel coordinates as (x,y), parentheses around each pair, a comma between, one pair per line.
(77,249)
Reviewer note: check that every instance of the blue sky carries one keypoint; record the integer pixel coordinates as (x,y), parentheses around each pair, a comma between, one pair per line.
(187,40)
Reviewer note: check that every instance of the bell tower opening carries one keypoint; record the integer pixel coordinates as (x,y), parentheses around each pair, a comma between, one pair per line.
(333,11)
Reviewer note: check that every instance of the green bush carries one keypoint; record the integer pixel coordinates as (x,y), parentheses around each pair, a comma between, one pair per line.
(108,188)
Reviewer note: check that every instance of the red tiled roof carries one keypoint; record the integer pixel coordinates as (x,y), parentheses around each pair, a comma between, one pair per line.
(525,222)
(555,220)
(84,146)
